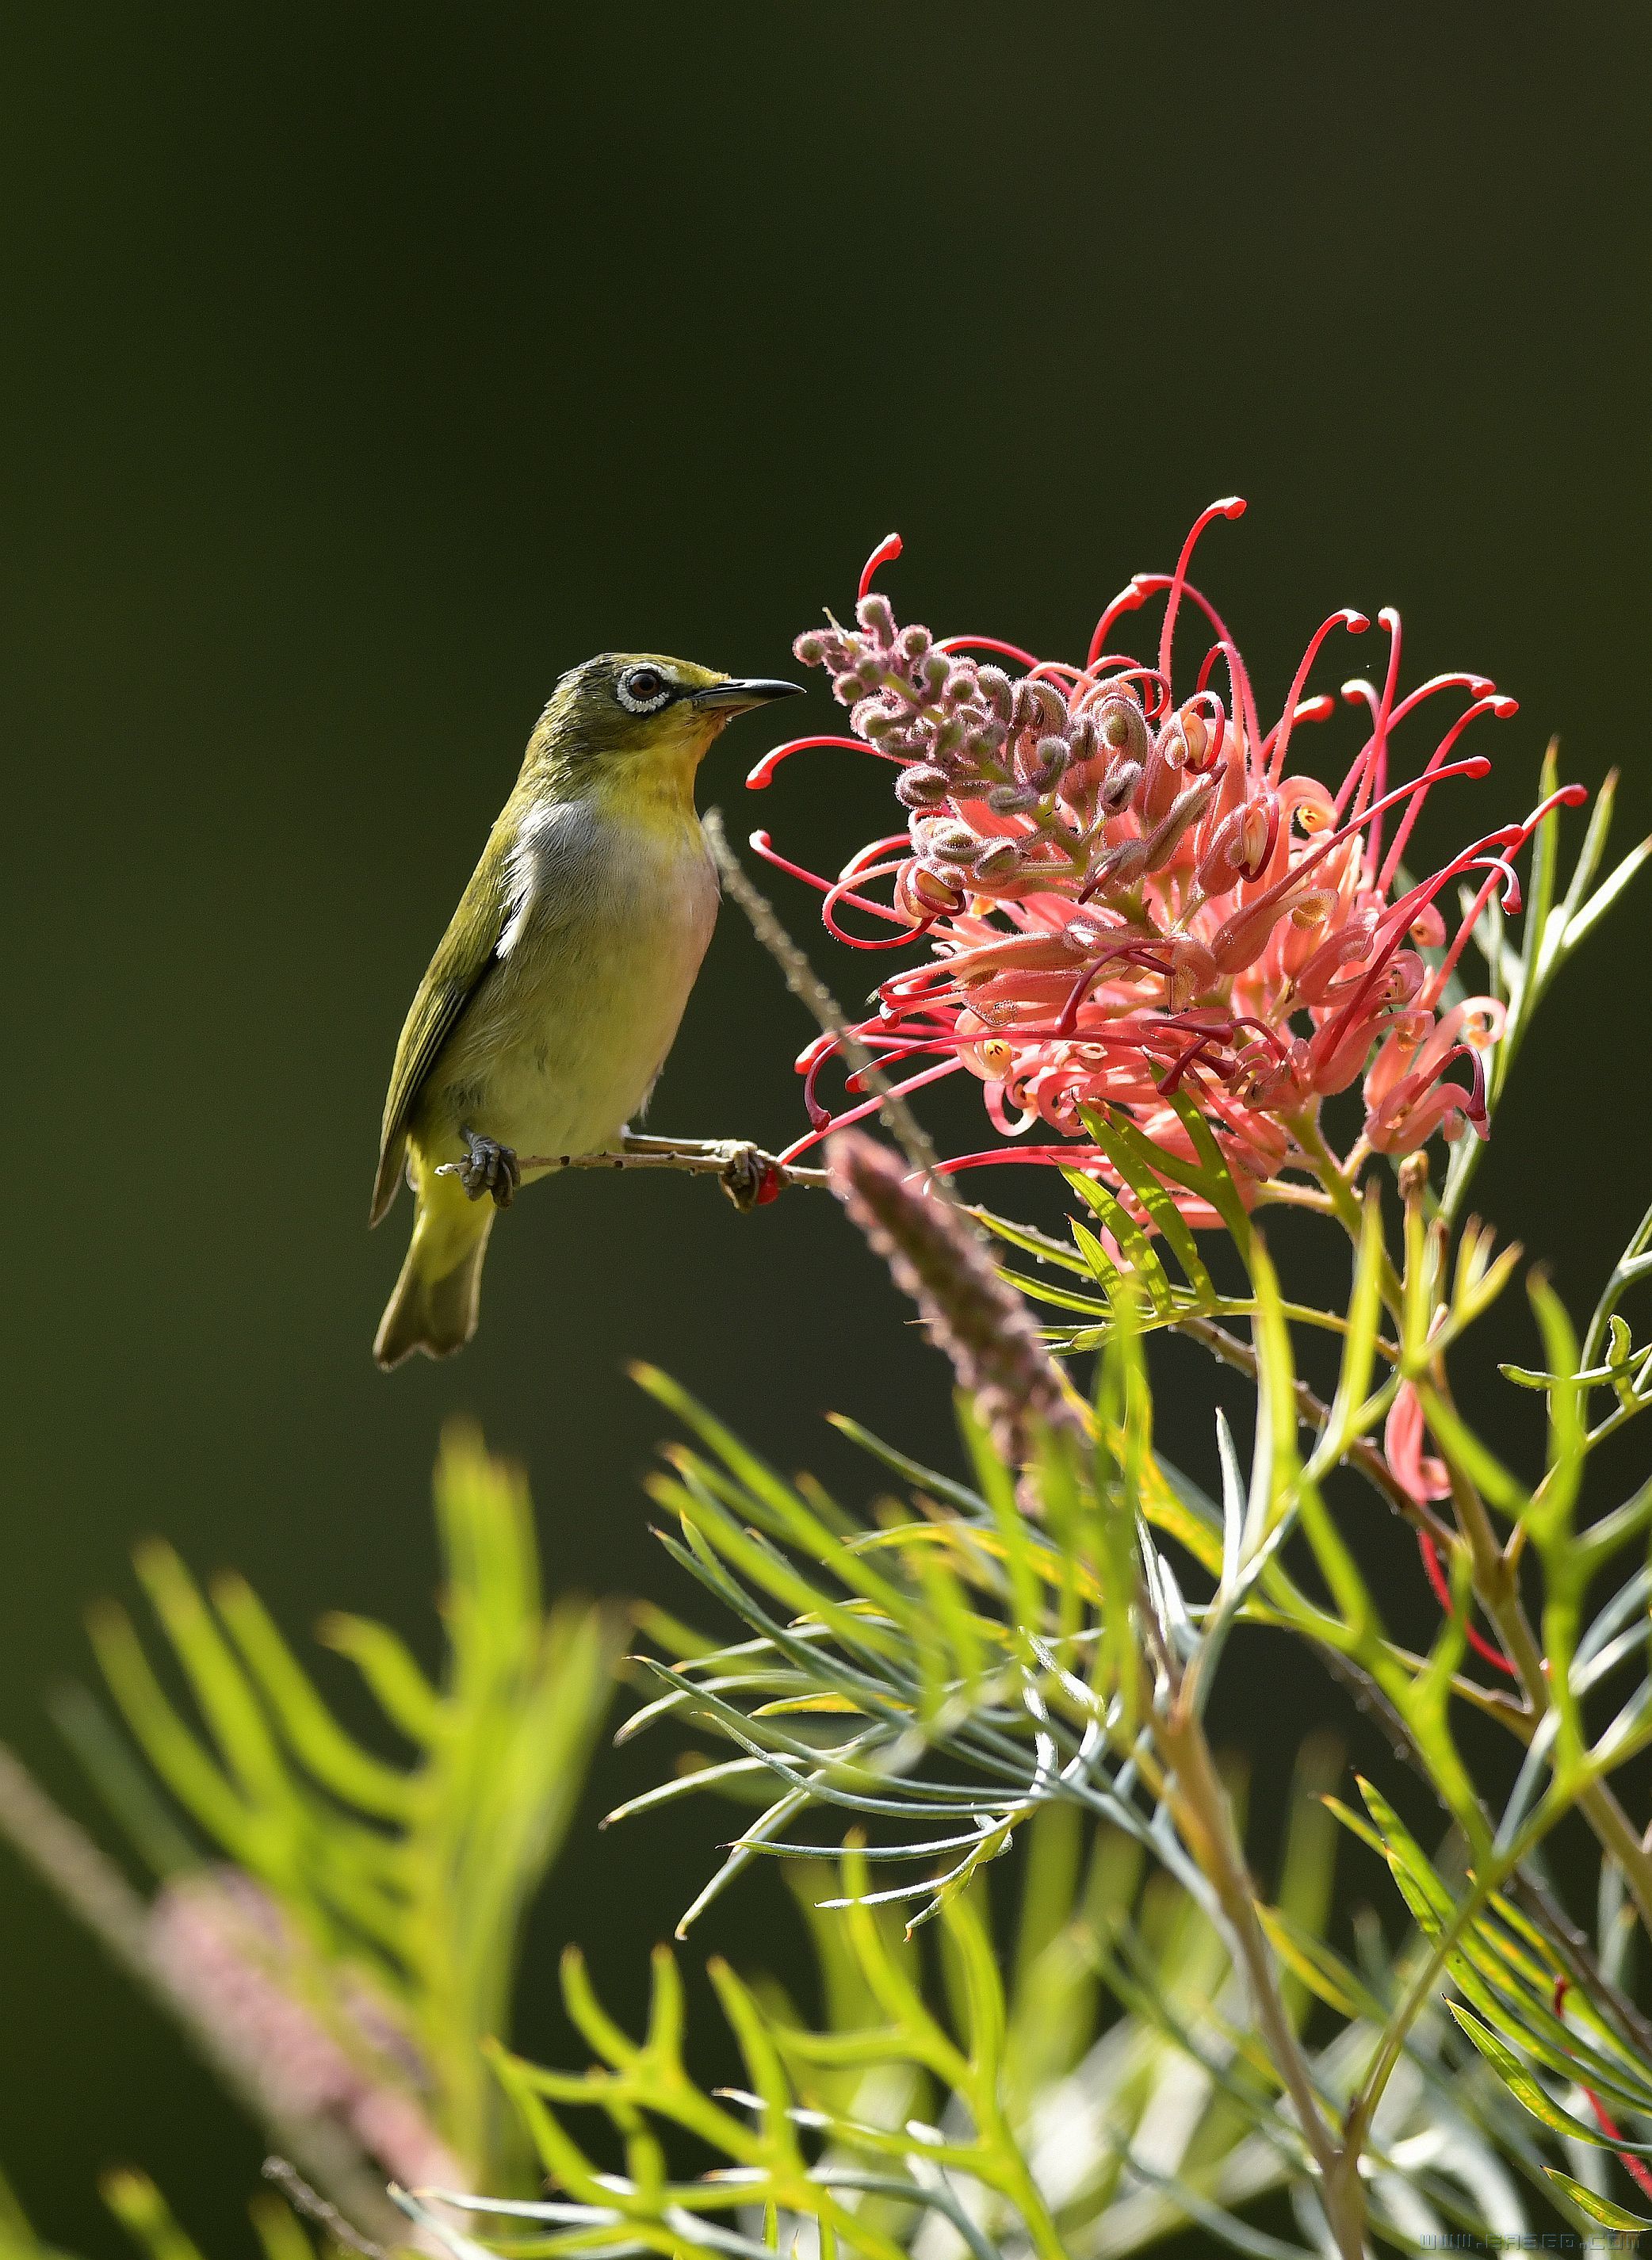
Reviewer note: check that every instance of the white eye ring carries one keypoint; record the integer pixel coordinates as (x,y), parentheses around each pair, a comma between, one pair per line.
(632,704)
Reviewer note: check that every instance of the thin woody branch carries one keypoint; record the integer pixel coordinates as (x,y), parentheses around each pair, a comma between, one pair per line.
(806,985)
(748,1174)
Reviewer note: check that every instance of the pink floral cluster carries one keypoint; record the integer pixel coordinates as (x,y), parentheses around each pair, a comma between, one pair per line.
(1128,893)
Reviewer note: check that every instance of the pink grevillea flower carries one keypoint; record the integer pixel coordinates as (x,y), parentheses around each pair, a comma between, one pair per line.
(1128,891)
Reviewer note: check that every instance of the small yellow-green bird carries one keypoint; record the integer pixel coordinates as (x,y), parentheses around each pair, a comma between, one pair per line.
(549,1008)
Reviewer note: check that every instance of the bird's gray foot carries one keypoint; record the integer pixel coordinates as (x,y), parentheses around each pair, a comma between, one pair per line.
(487,1168)
(749,1177)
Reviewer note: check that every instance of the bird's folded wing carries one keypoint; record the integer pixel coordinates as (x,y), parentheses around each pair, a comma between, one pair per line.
(465,952)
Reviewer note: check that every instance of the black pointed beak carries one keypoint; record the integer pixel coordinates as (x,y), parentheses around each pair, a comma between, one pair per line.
(743,692)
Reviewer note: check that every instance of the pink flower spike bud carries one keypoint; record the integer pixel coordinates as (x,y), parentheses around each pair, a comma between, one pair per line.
(983,1326)
(1126,894)
(1050,758)
(873,718)
(1121,725)
(950,842)
(1037,706)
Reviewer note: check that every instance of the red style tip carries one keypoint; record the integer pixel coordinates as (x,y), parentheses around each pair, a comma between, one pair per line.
(885,554)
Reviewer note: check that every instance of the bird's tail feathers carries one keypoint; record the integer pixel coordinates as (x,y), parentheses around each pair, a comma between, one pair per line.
(438,1298)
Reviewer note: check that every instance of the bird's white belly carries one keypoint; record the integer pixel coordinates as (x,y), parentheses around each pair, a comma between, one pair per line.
(561,1047)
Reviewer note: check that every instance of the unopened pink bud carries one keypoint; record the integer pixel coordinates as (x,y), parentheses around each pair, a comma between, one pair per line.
(876,616)
(1193,971)
(1118,720)
(996,689)
(1120,867)
(921,786)
(1240,940)
(1167,835)
(1120,789)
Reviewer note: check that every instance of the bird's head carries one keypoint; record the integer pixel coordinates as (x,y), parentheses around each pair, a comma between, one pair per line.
(635,721)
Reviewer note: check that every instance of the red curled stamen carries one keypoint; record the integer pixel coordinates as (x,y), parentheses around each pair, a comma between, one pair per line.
(842,892)
(1493,703)
(763,846)
(832,1122)
(885,554)
(994,644)
(764,772)
(1356,624)
(1230,507)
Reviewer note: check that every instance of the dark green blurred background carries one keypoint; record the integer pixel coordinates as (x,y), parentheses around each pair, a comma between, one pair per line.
(368,366)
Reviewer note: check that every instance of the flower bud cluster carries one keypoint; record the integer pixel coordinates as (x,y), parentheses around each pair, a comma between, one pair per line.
(1007,780)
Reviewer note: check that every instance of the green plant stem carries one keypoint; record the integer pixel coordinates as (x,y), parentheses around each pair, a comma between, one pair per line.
(1204,1819)
(1313,1412)
(1494,1585)
(1362,2110)
(1492,1574)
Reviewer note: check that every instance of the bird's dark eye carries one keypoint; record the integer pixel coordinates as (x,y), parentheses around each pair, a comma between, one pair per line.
(643,689)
